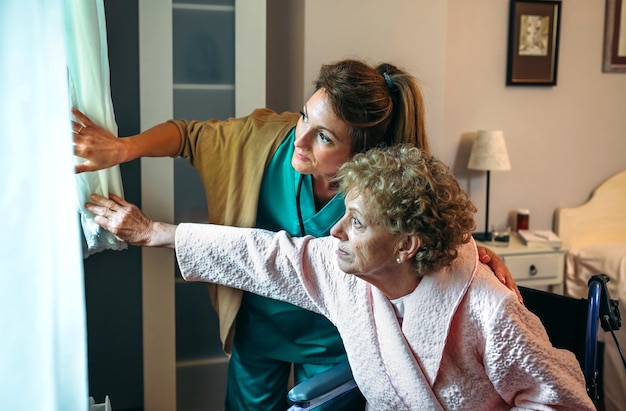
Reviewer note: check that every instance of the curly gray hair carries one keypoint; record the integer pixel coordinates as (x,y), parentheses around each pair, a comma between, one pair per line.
(413,193)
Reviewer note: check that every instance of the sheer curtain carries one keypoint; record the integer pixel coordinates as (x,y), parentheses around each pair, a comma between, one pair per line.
(43,359)
(90,92)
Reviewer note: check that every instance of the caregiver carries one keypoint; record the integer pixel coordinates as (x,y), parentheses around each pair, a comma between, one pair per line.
(276,171)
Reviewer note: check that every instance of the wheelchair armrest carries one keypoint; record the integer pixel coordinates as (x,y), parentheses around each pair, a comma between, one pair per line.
(336,380)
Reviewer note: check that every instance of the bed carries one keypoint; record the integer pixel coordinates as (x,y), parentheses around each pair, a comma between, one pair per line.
(595,236)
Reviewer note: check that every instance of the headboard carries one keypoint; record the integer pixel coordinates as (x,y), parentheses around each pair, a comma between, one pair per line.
(595,236)
(601,218)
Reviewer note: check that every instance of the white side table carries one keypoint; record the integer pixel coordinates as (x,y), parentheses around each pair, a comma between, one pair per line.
(539,267)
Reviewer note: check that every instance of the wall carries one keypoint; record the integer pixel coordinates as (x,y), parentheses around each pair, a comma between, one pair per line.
(285,55)
(408,33)
(562,140)
(113,278)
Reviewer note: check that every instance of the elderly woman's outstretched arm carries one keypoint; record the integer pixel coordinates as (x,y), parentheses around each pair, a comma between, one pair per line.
(129,224)
(247,251)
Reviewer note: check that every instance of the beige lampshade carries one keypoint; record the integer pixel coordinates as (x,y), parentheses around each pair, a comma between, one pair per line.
(489,152)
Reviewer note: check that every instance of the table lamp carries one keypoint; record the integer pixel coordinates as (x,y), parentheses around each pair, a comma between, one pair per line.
(489,154)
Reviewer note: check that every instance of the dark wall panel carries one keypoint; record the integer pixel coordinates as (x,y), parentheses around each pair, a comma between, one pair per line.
(113,278)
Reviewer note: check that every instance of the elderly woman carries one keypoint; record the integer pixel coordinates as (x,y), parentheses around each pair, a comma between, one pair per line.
(425,326)
(275,171)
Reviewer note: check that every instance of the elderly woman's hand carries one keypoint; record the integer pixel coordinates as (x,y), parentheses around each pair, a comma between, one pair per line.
(97,146)
(498,267)
(128,223)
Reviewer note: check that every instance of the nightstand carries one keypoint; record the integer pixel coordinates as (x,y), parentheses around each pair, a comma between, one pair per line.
(540,267)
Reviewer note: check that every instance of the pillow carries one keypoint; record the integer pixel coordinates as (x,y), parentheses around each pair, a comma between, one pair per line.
(581,263)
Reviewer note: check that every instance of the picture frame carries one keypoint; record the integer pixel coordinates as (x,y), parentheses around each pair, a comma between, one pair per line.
(614,56)
(533,42)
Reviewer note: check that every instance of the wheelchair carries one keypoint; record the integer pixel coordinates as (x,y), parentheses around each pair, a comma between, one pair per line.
(571,324)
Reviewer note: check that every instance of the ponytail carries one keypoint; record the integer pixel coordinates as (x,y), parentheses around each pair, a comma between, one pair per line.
(383,106)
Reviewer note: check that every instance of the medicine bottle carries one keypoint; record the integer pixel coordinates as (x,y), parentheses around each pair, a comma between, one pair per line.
(522,218)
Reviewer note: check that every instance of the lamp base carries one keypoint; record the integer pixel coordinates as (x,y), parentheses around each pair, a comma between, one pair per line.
(484,237)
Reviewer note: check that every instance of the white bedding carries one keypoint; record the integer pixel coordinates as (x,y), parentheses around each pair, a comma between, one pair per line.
(610,259)
(581,263)
(595,236)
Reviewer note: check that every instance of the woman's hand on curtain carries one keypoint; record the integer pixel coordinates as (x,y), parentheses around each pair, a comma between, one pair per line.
(100,148)
(129,224)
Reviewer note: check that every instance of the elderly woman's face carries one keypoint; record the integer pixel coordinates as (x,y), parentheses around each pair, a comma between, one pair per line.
(366,248)
(323,141)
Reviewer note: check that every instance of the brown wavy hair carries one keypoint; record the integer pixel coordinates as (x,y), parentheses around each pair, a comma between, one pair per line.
(379,111)
(413,193)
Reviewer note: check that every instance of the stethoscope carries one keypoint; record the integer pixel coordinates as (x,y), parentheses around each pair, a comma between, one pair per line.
(298,209)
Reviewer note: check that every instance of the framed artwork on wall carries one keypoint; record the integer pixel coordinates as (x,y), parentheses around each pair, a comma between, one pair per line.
(533,42)
(615,36)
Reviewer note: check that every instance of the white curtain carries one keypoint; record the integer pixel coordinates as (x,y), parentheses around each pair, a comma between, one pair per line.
(42,310)
(90,92)
(43,353)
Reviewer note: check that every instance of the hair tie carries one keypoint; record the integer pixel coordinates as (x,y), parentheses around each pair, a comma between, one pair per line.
(388,79)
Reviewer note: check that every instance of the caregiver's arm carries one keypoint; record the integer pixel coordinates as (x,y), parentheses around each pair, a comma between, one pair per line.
(102,149)
(501,271)
(129,224)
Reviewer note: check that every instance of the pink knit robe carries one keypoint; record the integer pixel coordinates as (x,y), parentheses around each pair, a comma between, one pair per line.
(465,341)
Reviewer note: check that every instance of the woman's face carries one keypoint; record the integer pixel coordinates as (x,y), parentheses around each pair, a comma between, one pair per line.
(366,248)
(323,141)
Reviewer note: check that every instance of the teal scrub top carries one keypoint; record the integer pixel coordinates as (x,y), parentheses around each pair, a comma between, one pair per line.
(282,330)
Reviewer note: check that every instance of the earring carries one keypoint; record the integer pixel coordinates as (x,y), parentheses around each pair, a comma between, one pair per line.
(398,260)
